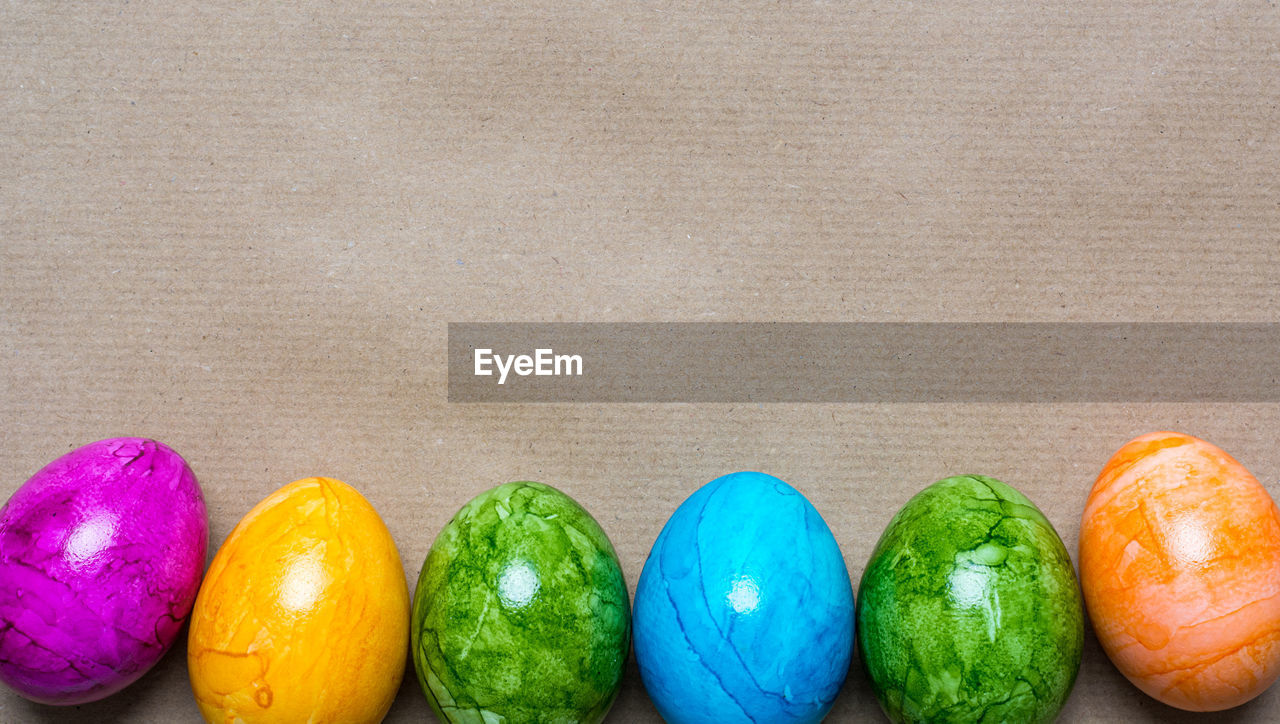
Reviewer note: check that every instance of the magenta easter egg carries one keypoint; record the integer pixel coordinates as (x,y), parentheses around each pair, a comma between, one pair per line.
(101,554)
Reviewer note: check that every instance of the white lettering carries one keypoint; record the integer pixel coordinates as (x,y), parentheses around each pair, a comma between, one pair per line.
(503,369)
(569,361)
(524,365)
(544,362)
(483,358)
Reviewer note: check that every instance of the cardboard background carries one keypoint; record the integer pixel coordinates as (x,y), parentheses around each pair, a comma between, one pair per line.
(242,229)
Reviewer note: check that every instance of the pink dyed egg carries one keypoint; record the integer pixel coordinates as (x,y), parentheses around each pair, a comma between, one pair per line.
(101,554)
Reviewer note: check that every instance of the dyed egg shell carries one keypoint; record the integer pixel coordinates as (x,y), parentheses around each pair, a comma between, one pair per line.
(969,609)
(521,612)
(100,559)
(304,614)
(744,610)
(1180,564)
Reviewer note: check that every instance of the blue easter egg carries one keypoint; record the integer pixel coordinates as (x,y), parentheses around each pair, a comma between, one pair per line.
(744,610)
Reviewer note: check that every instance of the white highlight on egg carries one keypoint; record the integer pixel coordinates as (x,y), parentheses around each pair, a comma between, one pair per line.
(518,584)
(304,583)
(973,587)
(1189,542)
(744,597)
(90,538)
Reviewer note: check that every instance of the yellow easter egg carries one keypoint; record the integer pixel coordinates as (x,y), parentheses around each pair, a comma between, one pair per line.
(303,615)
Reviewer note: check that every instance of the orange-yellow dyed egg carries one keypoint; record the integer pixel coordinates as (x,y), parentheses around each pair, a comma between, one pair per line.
(1180,567)
(304,613)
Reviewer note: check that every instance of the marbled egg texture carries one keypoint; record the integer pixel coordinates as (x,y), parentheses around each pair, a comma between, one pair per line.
(744,609)
(1180,563)
(304,614)
(969,610)
(521,612)
(100,558)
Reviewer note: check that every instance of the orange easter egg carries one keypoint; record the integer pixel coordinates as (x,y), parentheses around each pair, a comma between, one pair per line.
(1180,568)
(303,615)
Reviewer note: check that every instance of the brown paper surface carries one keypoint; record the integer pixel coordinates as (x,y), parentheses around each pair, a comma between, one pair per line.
(243,229)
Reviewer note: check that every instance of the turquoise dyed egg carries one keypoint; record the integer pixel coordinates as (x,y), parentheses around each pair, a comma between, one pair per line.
(744,609)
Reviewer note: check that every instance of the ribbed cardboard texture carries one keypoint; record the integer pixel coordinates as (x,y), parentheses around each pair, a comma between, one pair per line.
(243,230)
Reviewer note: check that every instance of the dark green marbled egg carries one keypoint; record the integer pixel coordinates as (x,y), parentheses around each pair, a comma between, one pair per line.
(969,609)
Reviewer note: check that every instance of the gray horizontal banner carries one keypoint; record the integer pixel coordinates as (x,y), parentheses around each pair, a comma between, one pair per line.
(864,362)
